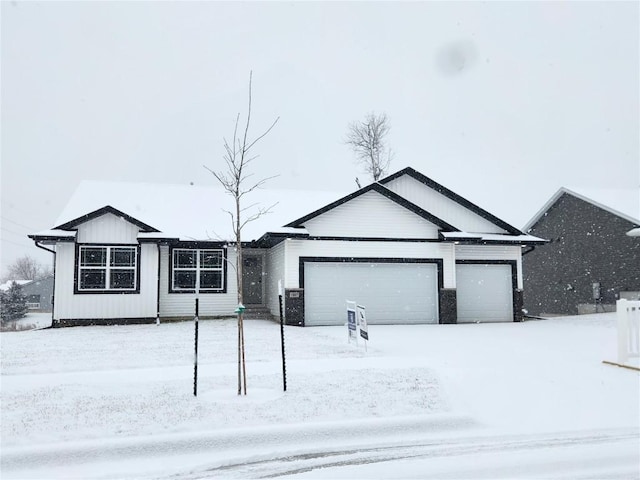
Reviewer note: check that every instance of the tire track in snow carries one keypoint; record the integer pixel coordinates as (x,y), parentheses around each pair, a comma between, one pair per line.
(299,463)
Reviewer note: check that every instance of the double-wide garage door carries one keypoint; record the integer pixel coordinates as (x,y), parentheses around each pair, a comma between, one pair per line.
(484,293)
(392,293)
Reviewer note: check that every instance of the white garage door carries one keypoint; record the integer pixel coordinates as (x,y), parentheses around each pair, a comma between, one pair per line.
(391,292)
(484,293)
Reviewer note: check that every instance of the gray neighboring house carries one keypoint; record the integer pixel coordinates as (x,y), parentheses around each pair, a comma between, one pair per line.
(590,260)
(39,294)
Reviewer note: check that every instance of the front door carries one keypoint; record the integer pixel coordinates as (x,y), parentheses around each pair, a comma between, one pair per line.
(252,279)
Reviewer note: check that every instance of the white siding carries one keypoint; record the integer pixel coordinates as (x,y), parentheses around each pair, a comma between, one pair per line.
(342,248)
(108,228)
(492,252)
(371,215)
(441,206)
(69,305)
(275,272)
(211,304)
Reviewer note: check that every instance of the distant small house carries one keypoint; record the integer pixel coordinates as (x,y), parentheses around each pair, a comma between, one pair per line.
(590,260)
(406,247)
(39,293)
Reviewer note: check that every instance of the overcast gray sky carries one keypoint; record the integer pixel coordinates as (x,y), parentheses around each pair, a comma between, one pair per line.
(502,102)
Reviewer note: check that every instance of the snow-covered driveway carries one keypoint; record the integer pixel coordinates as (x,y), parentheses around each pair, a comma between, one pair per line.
(450,401)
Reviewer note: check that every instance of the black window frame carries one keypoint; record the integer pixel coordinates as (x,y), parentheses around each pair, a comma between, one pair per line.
(198,269)
(107,268)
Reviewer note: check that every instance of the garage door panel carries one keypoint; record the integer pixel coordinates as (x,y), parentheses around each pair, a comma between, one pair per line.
(391,292)
(484,293)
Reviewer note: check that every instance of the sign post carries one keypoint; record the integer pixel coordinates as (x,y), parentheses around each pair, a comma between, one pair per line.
(195,357)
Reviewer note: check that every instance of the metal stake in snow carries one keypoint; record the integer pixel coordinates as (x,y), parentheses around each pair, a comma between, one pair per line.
(284,363)
(195,357)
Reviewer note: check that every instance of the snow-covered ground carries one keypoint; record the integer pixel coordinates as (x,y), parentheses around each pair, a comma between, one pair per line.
(520,400)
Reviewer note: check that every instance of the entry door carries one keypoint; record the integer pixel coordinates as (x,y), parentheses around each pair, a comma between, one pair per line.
(252,279)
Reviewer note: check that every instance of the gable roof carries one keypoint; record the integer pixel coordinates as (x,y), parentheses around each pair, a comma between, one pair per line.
(452,196)
(72,224)
(627,200)
(376,187)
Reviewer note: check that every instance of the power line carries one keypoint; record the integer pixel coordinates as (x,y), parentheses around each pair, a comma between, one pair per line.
(4,229)
(16,243)
(19,224)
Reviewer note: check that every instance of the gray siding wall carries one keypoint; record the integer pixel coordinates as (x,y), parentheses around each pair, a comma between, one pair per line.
(588,244)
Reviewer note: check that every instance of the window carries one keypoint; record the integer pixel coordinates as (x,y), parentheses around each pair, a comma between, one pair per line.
(198,270)
(108,268)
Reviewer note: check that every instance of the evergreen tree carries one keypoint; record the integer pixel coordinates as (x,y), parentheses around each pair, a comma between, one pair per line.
(14,303)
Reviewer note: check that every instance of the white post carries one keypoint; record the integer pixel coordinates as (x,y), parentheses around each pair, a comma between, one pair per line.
(623,330)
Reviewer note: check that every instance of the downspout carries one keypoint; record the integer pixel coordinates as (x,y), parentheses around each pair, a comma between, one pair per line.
(532,248)
(53,295)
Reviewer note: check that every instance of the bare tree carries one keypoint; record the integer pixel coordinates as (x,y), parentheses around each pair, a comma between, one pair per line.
(235,181)
(27,268)
(368,140)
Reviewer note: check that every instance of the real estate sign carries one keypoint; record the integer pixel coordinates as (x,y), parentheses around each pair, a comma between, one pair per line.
(351,320)
(362,322)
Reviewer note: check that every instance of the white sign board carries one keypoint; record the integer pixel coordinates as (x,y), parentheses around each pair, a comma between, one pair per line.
(351,320)
(362,322)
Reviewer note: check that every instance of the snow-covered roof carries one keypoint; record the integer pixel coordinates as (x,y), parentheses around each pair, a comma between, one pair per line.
(191,212)
(635,232)
(5,286)
(491,238)
(623,202)
(55,234)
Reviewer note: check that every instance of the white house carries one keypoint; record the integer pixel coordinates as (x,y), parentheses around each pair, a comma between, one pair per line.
(407,248)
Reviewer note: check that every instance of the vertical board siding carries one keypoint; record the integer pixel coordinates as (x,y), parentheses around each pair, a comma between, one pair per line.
(442,207)
(108,228)
(492,252)
(69,305)
(211,304)
(371,215)
(340,248)
(275,271)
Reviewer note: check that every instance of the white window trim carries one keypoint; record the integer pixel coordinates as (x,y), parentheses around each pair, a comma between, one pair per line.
(108,268)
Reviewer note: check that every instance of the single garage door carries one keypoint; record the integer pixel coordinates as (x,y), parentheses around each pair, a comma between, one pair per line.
(484,293)
(391,292)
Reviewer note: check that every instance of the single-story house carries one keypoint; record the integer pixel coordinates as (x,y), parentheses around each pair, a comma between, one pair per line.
(407,248)
(590,260)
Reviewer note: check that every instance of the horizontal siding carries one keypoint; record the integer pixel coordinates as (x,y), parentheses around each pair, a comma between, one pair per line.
(371,215)
(492,252)
(340,248)
(110,305)
(275,272)
(183,304)
(108,228)
(441,206)
(397,293)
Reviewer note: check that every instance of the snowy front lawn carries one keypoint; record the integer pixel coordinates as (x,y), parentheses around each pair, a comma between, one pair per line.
(100,384)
